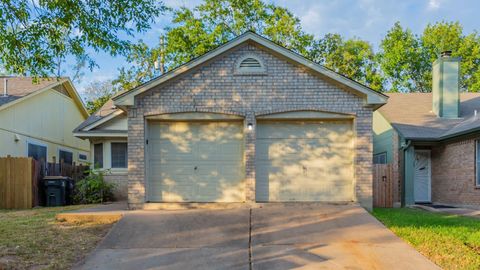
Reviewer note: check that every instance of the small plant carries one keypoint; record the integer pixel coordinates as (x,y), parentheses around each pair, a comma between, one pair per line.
(93,189)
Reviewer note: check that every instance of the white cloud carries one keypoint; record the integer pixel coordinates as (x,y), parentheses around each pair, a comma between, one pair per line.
(433,4)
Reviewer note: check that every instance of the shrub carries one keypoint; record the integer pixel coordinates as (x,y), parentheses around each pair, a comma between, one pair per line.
(93,189)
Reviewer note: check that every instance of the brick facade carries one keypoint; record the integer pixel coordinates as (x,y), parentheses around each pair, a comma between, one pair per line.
(120,192)
(453,174)
(214,87)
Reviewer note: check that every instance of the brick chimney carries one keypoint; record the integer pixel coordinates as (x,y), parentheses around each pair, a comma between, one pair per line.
(445,86)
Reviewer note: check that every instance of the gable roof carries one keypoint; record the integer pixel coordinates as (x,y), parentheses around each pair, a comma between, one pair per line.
(411,114)
(21,88)
(126,98)
(106,113)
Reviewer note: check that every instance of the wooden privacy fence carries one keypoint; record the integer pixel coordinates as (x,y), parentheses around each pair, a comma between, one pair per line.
(383,185)
(18,182)
(21,180)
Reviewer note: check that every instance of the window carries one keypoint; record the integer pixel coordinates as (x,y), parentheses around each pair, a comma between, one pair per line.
(119,155)
(98,155)
(38,152)
(82,156)
(66,156)
(380,158)
(477,162)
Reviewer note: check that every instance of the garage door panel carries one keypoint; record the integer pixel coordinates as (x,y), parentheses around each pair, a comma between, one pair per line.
(196,162)
(304,161)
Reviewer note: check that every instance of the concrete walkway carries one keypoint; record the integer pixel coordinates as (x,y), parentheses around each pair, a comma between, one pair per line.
(272,236)
(461,211)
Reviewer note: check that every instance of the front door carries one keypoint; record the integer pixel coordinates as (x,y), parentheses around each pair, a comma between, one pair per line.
(422,178)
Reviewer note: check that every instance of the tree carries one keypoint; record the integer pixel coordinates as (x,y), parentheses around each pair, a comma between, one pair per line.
(406,59)
(96,94)
(353,58)
(36,36)
(212,23)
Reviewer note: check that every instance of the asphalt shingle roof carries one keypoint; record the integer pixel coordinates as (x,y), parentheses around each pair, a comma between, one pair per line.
(107,109)
(411,114)
(19,87)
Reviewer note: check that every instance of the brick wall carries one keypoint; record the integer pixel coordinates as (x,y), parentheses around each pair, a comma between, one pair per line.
(453,174)
(121,185)
(214,87)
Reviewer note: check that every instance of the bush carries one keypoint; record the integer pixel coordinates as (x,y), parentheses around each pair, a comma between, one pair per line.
(93,189)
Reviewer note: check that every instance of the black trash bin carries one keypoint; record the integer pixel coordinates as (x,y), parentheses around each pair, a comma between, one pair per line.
(58,190)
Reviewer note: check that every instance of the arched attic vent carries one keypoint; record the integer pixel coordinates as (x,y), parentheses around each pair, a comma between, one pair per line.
(250,65)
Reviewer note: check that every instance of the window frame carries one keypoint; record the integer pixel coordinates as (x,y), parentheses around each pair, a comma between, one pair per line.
(36,143)
(126,155)
(82,159)
(380,154)
(66,151)
(101,166)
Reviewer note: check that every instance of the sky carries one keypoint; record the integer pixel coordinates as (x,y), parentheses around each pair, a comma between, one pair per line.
(366,19)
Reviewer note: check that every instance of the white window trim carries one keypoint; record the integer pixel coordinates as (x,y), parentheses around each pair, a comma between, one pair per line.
(82,153)
(65,150)
(35,142)
(110,157)
(103,155)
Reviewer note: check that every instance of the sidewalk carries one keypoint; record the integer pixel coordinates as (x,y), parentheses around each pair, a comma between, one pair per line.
(461,211)
(110,212)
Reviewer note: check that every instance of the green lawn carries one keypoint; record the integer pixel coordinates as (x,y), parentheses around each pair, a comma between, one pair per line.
(33,239)
(452,242)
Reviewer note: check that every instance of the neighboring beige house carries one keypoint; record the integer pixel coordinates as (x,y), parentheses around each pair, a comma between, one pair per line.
(432,140)
(249,121)
(106,130)
(37,119)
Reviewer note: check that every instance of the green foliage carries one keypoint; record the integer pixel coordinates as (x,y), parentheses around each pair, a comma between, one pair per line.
(353,58)
(406,59)
(93,189)
(97,93)
(36,36)
(212,23)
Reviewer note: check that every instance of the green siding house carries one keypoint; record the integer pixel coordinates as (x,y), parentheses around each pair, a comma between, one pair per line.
(432,140)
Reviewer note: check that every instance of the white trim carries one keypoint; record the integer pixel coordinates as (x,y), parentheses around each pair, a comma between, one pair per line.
(250,71)
(100,134)
(429,173)
(126,98)
(38,143)
(65,150)
(110,157)
(103,120)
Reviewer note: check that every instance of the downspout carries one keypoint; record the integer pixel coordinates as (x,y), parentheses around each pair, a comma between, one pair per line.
(403,148)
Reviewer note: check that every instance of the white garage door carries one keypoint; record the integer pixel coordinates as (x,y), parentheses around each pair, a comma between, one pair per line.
(304,161)
(195,162)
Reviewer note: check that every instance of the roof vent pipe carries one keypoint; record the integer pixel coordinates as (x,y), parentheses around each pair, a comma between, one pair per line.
(5,92)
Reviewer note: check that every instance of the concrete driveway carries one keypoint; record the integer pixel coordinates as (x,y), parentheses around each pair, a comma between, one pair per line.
(273,236)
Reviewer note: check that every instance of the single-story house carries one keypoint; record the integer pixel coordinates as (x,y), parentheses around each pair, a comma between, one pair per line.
(249,121)
(107,131)
(37,119)
(432,140)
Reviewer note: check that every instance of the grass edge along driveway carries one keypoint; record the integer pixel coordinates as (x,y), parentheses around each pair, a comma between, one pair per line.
(34,239)
(450,241)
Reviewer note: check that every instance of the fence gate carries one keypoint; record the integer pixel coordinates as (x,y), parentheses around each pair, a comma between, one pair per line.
(382,185)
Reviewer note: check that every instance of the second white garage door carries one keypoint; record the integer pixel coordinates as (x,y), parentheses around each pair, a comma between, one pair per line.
(195,162)
(304,161)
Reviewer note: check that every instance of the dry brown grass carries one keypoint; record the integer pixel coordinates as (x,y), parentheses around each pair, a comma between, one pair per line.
(33,239)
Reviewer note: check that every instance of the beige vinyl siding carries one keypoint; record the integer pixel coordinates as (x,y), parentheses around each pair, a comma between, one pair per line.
(195,162)
(304,161)
(46,119)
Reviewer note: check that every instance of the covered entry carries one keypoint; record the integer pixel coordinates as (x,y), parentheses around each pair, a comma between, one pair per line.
(304,160)
(195,161)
